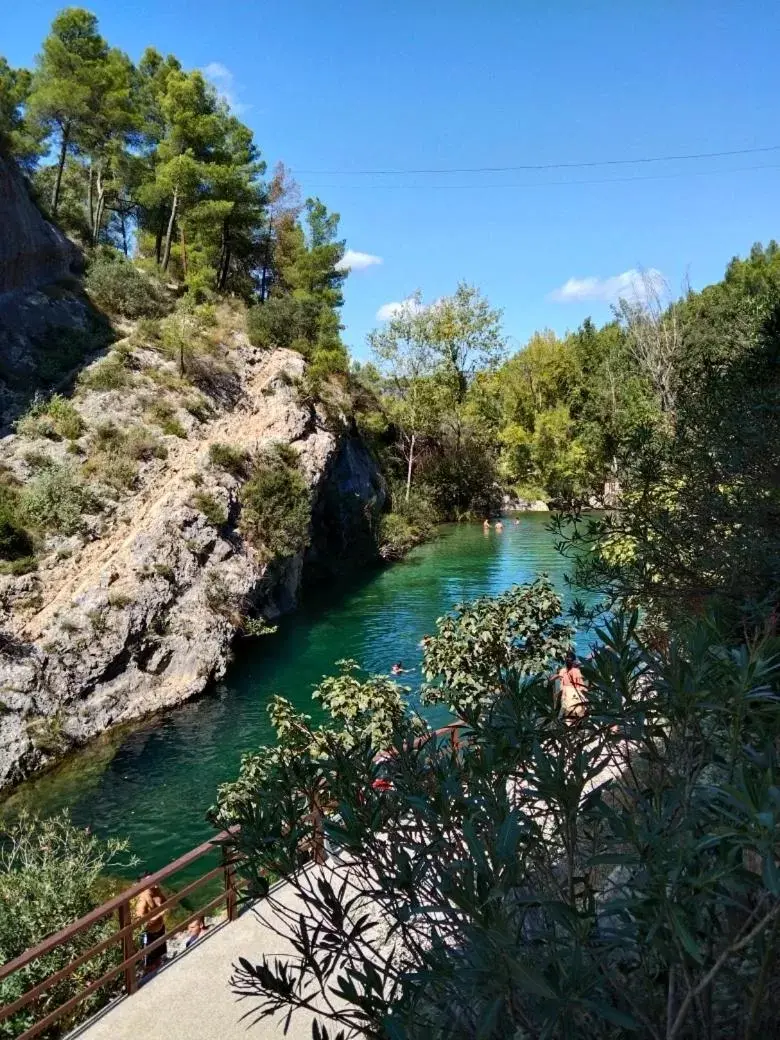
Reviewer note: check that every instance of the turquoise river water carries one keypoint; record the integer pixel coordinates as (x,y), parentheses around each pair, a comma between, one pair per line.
(155,782)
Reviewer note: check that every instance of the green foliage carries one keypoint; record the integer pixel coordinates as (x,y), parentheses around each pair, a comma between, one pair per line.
(54,500)
(17,138)
(232,460)
(115,454)
(275,503)
(110,373)
(398,533)
(214,511)
(56,418)
(150,156)
(699,498)
(360,708)
(18,566)
(120,288)
(256,627)
(484,644)
(541,879)
(429,358)
(278,322)
(15,542)
(363,709)
(173,428)
(50,874)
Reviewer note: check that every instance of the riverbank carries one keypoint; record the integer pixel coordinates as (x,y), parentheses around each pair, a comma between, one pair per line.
(156,784)
(139,613)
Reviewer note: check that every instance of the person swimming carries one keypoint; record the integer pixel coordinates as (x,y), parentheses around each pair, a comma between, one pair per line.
(398,669)
(486,524)
(499,525)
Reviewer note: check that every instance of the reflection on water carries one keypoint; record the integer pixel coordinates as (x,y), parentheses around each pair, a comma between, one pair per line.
(155,782)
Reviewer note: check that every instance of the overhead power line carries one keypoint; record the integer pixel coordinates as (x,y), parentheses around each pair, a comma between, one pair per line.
(542,184)
(546,166)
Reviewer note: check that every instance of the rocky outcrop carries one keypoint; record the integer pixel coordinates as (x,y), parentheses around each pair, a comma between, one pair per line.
(47,324)
(525,505)
(32,251)
(143,617)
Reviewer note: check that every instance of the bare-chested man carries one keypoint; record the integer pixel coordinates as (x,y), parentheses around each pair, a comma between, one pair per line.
(154,928)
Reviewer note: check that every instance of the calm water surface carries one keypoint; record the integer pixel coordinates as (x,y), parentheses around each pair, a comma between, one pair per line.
(155,783)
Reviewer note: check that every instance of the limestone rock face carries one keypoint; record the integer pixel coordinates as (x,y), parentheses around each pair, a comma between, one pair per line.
(142,617)
(32,251)
(43,313)
(525,505)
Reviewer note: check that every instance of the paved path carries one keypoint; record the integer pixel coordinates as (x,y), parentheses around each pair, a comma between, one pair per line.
(190,999)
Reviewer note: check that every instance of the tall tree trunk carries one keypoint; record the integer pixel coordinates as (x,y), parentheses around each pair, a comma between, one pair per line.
(224,258)
(55,195)
(123,225)
(101,205)
(159,240)
(91,204)
(225,270)
(183,252)
(169,235)
(409,468)
(266,269)
(222,251)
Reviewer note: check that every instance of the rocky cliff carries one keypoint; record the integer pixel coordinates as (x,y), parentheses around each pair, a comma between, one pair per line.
(47,324)
(32,251)
(137,612)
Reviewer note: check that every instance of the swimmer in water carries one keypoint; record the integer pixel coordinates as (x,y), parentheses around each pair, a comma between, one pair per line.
(486,524)
(499,525)
(398,668)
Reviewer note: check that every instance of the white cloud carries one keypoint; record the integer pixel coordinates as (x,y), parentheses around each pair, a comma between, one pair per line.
(632,285)
(356,261)
(411,305)
(225,82)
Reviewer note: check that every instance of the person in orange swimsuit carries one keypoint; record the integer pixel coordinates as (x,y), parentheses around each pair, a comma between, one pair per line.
(573,690)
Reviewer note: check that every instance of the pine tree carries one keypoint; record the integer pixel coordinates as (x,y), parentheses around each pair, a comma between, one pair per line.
(17,138)
(67,85)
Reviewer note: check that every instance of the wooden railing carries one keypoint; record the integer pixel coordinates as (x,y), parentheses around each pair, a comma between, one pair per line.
(123,935)
(120,908)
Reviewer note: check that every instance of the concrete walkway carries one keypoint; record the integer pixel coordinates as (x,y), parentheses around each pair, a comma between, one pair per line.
(190,998)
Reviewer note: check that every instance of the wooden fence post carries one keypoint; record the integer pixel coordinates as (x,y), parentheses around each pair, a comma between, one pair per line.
(229,874)
(128,947)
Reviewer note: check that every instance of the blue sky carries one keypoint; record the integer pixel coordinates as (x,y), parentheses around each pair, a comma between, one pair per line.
(381,85)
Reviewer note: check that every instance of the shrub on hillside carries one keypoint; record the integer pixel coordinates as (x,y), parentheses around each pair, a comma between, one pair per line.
(212,508)
(117,286)
(275,323)
(15,542)
(232,460)
(54,501)
(115,454)
(275,503)
(52,873)
(55,418)
(110,373)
